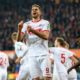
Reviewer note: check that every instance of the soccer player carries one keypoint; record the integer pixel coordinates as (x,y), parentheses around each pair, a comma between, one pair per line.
(37,31)
(64,56)
(21,52)
(59,70)
(4,63)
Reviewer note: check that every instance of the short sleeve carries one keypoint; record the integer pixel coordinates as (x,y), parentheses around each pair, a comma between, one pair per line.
(70,54)
(46,26)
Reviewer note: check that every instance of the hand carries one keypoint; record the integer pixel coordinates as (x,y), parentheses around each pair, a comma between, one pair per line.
(20,25)
(29,29)
(17,61)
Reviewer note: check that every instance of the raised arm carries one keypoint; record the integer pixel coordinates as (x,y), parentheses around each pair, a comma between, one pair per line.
(20,35)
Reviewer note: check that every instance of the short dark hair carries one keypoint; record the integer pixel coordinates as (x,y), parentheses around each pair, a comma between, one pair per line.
(36,5)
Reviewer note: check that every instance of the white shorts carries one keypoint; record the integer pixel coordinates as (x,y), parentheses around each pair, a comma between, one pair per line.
(3,74)
(40,66)
(72,75)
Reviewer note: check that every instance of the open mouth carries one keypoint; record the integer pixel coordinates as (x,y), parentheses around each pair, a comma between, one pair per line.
(34,13)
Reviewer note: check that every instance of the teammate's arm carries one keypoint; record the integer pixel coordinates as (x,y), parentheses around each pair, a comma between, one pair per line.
(20,35)
(75,66)
(76,62)
(18,60)
(74,59)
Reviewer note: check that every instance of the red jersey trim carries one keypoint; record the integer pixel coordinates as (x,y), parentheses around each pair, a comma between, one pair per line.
(36,21)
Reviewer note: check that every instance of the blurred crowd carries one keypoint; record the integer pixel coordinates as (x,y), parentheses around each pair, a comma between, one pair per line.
(64,18)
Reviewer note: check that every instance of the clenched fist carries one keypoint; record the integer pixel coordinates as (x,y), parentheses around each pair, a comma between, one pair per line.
(20,25)
(29,29)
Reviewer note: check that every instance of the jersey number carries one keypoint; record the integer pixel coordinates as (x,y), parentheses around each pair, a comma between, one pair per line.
(2,61)
(63,58)
(47,70)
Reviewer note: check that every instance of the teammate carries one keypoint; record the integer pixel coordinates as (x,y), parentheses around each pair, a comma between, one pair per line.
(64,56)
(59,70)
(4,63)
(21,52)
(37,31)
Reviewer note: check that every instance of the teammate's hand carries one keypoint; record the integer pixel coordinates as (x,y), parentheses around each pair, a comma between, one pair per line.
(29,29)
(20,25)
(17,60)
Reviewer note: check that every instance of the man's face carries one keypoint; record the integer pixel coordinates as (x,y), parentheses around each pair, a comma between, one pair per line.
(35,12)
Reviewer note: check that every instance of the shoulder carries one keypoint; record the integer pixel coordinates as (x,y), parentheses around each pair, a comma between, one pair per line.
(45,21)
(19,43)
(68,51)
(58,49)
(52,48)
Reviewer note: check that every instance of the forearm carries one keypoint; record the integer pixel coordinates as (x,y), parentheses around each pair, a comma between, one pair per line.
(18,60)
(19,36)
(40,34)
(74,66)
(20,25)
(76,57)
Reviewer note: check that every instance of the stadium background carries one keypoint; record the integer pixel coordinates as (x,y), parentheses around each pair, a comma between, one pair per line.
(64,16)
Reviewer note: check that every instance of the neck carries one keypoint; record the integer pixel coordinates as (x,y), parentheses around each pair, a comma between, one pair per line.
(36,19)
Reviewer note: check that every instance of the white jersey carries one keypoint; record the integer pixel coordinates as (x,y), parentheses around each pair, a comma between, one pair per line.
(63,55)
(4,62)
(36,43)
(20,49)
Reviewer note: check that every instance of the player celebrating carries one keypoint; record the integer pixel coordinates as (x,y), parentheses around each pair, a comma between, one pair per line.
(21,52)
(4,63)
(65,56)
(37,31)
